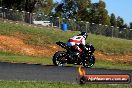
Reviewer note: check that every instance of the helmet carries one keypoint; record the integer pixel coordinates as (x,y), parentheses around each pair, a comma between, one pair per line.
(84,34)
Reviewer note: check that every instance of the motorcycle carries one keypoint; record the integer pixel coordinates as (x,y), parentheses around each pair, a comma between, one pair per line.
(85,58)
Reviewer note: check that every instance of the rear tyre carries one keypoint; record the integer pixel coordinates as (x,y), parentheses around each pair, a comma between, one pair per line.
(59,58)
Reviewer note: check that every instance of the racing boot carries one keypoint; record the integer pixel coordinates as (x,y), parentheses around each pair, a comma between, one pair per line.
(77,56)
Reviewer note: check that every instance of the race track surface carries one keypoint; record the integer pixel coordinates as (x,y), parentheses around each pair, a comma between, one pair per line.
(9,71)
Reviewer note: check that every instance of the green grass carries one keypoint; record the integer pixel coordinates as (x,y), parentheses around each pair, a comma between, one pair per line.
(111,45)
(42,36)
(112,65)
(34,84)
(36,36)
(9,57)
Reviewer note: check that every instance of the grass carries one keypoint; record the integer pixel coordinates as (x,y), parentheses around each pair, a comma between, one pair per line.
(34,84)
(111,45)
(36,36)
(41,36)
(9,57)
(112,65)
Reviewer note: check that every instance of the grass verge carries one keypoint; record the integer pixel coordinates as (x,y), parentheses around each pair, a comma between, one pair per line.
(34,84)
(8,57)
(112,65)
(41,36)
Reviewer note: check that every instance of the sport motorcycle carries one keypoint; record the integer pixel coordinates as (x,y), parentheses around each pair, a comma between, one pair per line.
(86,58)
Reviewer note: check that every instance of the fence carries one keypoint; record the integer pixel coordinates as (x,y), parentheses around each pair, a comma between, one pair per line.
(93,28)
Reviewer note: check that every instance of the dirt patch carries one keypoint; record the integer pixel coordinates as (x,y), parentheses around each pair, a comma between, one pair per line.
(17,45)
(113,58)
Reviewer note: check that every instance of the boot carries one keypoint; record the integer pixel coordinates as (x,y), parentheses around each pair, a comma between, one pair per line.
(76,56)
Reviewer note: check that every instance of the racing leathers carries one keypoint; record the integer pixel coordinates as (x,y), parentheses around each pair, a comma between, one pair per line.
(75,41)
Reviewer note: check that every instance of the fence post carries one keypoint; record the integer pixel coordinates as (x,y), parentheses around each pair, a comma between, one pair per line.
(118,32)
(23,16)
(100,29)
(87,26)
(1,11)
(17,19)
(125,31)
(112,30)
(51,20)
(130,36)
(4,13)
(92,28)
(29,14)
(75,22)
(58,22)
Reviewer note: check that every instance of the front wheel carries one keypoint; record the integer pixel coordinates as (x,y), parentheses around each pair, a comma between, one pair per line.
(59,58)
(88,62)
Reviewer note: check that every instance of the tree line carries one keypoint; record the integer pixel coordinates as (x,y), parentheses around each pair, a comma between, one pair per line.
(79,10)
(91,12)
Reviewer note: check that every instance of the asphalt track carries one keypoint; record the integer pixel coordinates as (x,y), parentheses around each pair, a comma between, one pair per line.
(34,72)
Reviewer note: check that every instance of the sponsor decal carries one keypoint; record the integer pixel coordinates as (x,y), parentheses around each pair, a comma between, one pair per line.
(102,78)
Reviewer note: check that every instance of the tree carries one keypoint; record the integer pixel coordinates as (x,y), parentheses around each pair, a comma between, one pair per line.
(120,22)
(70,8)
(47,6)
(75,9)
(83,10)
(121,25)
(125,26)
(66,9)
(28,5)
(15,4)
(59,10)
(103,17)
(130,31)
(93,13)
(130,25)
(113,20)
(99,14)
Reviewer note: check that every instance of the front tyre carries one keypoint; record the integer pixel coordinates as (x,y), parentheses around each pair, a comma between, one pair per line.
(59,58)
(88,62)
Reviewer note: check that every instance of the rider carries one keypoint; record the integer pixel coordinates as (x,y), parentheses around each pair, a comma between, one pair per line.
(75,41)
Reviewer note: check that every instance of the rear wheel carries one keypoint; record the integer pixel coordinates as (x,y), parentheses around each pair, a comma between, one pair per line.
(59,58)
